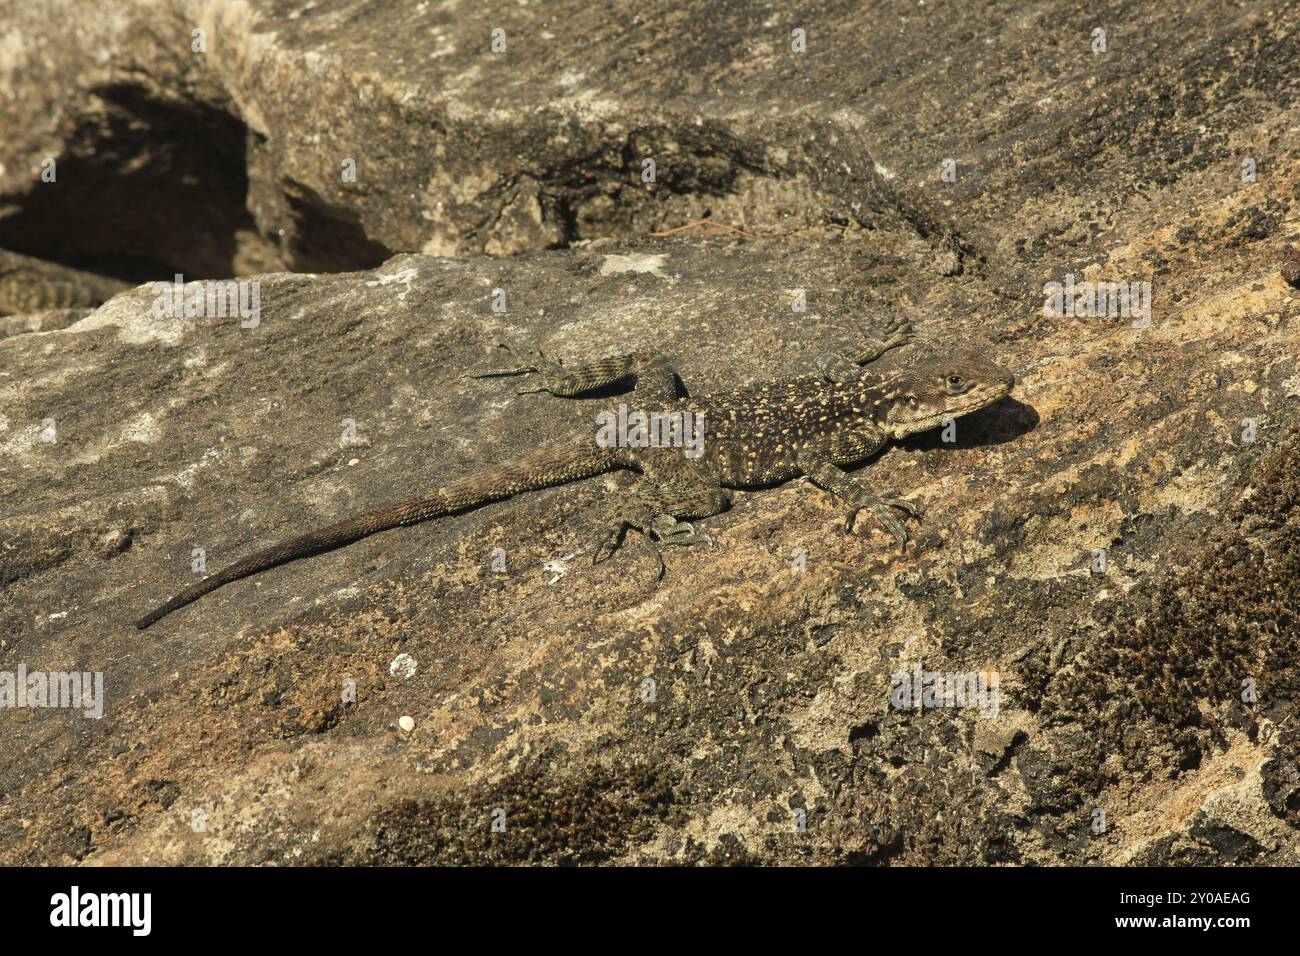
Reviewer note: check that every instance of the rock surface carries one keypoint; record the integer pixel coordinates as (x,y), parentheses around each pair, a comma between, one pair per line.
(739,709)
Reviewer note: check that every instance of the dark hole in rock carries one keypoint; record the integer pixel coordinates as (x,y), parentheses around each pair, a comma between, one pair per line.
(147,187)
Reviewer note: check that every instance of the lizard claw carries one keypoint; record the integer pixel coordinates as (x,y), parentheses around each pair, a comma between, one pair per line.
(524,353)
(607,542)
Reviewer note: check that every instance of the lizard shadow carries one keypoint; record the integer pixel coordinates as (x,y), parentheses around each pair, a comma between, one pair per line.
(1002,422)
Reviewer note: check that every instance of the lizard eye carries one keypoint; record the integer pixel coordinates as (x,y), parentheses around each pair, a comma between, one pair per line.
(955,383)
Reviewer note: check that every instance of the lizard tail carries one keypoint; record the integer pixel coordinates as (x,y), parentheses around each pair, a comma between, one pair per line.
(552,465)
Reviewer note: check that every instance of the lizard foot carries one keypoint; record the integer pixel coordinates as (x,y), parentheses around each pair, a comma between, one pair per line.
(880,505)
(890,334)
(842,369)
(528,358)
(897,330)
(608,541)
(666,529)
(660,530)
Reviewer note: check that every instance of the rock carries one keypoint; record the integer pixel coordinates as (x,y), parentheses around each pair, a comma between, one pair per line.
(403,666)
(1291,268)
(739,709)
(341,141)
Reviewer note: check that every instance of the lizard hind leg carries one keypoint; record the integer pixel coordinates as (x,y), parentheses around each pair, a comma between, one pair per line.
(654,374)
(527,358)
(657,512)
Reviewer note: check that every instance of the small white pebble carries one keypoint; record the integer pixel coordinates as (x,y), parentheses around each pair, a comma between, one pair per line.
(557,568)
(406,723)
(403,665)
(354,461)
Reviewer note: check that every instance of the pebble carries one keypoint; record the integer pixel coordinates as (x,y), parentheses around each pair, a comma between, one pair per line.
(407,723)
(403,666)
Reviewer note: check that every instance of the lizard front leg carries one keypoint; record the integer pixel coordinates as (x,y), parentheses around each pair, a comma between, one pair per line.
(655,380)
(822,463)
(841,368)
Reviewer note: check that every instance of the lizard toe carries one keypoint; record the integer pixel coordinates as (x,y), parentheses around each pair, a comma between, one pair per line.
(665,529)
(607,542)
(909,509)
(892,525)
(881,508)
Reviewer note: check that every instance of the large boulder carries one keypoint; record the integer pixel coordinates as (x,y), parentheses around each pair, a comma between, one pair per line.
(1117,544)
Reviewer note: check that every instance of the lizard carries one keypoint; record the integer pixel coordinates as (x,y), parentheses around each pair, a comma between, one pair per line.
(30,285)
(755,435)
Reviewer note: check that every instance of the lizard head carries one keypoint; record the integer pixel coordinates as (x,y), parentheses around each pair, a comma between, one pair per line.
(946,386)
